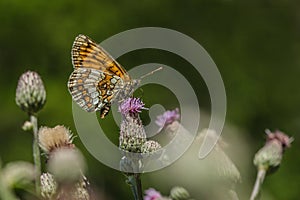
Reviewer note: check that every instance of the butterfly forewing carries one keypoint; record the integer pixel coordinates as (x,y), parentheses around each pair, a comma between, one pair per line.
(88,54)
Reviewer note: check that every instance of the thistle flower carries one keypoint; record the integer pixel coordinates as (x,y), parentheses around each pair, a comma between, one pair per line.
(152,194)
(30,93)
(132,133)
(67,165)
(54,138)
(269,157)
(167,118)
(131,106)
(48,186)
(179,193)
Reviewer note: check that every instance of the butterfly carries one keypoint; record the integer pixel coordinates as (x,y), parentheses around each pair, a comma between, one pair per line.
(97,80)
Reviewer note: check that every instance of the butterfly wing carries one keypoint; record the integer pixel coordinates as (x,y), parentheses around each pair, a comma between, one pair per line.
(88,54)
(93,89)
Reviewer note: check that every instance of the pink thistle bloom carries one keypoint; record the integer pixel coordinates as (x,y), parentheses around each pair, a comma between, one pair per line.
(152,194)
(167,118)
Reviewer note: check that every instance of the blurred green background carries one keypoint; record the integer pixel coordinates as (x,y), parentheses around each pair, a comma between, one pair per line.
(255,46)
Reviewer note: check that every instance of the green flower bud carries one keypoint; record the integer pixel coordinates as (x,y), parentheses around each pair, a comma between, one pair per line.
(179,193)
(132,134)
(30,93)
(27,126)
(269,157)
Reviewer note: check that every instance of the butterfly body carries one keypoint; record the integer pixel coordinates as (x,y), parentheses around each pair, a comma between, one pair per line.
(97,80)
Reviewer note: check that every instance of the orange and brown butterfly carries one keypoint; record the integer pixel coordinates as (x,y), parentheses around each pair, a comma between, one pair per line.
(97,79)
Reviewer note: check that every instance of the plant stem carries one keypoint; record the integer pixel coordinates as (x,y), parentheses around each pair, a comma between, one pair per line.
(258,183)
(36,153)
(136,186)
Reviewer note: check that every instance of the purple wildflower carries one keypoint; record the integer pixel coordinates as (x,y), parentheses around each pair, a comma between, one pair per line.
(280,137)
(131,106)
(152,194)
(167,118)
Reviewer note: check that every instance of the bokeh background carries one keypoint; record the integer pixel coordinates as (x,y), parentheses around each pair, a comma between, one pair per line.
(255,46)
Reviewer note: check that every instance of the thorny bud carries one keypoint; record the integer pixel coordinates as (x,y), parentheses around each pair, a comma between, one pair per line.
(132,132)
(30,93)
(150,146)
(269,157)
(48,186)
(27,126)
(179,193)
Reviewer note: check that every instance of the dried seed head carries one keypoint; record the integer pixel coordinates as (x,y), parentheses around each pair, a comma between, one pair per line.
(67,165)
(53,138)
(30,93)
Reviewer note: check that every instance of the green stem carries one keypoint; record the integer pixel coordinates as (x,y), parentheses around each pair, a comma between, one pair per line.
(36,153)
(136,186)
(258,183)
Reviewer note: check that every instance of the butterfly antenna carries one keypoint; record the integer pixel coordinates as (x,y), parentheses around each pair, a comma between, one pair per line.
(150,73)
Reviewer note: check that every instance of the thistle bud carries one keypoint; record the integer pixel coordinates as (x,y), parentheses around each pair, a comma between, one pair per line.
(150,146)
(30,93)
(269,157)
(48,186)
(179,193)
(81,191)
(132,133)
(27,126)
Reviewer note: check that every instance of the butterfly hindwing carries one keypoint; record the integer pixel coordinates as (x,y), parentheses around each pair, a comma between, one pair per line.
(93,89)
(88,54)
